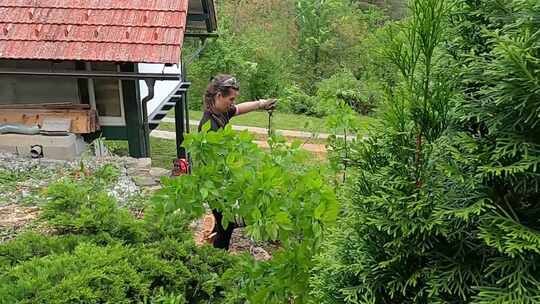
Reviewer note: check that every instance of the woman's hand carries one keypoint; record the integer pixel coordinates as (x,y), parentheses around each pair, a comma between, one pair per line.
(267,104)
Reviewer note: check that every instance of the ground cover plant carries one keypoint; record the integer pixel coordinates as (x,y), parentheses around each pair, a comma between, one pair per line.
(96,252)
(93,251)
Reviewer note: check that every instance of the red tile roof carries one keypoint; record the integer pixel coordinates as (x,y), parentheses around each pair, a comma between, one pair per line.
(148,31)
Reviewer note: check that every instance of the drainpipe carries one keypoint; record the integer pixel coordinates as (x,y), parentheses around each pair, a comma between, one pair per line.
(150,83)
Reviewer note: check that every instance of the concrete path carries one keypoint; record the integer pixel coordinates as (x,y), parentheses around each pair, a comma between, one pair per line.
(264,131)
(319,149)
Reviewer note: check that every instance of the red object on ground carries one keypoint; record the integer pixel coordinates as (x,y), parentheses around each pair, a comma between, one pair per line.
(181,167)
(145,31)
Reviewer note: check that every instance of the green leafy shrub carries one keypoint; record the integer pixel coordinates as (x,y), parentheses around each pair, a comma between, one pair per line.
(90,274)
(406,236)
(298,102)
(277,194)
(360,103)
(77,269)
(33,245)
(498,51)
(345,87)
(440,213)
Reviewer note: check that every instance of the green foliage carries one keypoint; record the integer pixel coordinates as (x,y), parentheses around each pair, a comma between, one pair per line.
(249,55)
(76,207)
(100,253)
(406,234)
(500,111)
(32,245)
(399,242)
(313,21)
(298,102)
(279,197)
(88,274)
(315,39)
(344,86)
(331,36)
(89,270)
(342,121)
(444,202)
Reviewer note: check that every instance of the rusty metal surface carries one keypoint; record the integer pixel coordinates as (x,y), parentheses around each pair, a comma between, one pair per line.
(99,30)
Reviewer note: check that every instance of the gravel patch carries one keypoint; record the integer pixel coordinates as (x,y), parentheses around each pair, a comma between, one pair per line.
(22,179)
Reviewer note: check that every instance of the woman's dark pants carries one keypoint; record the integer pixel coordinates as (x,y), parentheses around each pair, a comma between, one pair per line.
(222,238)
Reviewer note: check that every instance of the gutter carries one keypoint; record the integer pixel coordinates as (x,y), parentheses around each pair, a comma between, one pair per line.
(92,74)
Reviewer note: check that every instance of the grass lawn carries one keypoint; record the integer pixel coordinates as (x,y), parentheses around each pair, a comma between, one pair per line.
(283,121)
(163,151)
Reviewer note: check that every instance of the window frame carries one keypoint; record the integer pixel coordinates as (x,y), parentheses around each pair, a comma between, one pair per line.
(116,121)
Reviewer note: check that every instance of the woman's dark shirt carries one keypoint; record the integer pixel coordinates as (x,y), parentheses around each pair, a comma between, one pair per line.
(217,121)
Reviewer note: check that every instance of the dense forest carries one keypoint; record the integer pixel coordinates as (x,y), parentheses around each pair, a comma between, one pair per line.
(301,52)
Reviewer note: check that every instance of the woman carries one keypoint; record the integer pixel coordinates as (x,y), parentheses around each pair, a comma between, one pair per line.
(219,108)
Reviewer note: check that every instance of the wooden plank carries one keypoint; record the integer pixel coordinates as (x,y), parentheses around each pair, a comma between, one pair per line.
(82,121)
(58,105)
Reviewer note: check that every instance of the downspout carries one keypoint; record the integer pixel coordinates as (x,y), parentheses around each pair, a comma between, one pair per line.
(150,83)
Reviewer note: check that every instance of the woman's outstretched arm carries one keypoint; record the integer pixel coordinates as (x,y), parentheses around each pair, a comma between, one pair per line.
(263,104)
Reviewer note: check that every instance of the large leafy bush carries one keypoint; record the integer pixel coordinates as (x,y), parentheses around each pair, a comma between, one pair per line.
(279,196)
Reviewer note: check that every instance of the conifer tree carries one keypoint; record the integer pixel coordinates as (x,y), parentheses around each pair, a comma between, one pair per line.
(498,44)
(443,200)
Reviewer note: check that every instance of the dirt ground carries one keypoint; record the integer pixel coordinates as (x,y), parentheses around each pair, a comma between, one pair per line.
(240,243)
(14,218)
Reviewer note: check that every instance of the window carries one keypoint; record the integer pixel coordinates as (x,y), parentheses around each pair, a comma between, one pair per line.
(107,92)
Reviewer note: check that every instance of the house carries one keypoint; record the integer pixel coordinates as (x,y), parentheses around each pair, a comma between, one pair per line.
(88,61)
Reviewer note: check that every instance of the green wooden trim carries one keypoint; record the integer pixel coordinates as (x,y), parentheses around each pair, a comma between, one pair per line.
(138,139)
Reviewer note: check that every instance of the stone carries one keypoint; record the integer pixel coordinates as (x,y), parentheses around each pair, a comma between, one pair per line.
(152,189)
(132,171)
(130,161)
(259,253)
(144,181)
(144,163)
(159,172)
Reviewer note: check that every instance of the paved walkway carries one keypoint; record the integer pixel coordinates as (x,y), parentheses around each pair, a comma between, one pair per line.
(264,131)
(319,149)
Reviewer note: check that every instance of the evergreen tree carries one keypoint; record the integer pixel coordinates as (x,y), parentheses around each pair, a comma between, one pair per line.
(499,46)
(443,204)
